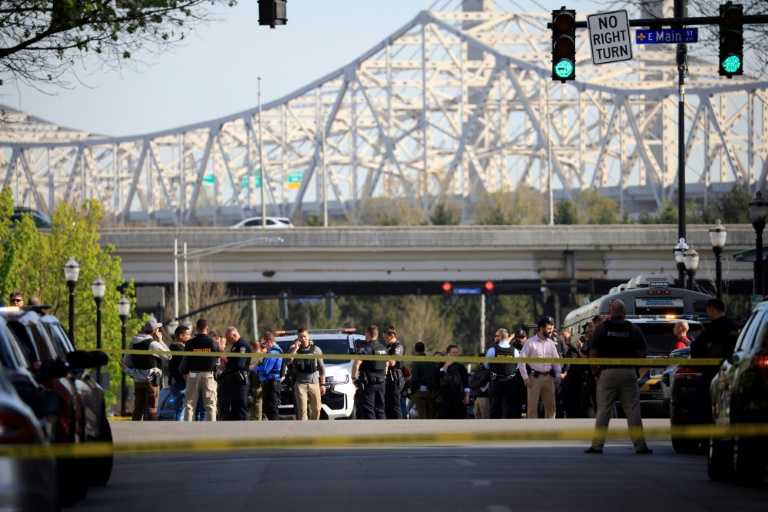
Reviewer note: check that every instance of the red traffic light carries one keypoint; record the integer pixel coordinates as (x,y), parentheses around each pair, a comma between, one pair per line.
(447,287)
(564,21)
(489,286)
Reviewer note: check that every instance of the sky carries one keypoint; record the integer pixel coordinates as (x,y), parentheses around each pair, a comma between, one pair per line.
(215,71)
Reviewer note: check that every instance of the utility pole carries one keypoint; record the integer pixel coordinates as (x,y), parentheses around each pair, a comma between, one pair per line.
(681,11)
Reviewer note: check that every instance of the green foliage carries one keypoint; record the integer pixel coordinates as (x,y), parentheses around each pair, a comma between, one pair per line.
(524,206)
(732,207)
(389,211)
(313,220)
(566,212)
(597,209)
(444,216)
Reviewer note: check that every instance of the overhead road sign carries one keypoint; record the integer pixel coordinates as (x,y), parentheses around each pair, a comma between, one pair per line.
(466,291)
(609,37)
(667,35)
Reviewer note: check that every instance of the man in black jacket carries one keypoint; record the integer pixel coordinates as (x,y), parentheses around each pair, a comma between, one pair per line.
(234,399)
(198,370)
(481,380)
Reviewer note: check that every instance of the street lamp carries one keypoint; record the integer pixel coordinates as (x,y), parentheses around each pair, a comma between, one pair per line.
(691,258)
(71,272)
(758,209)
(717,235)
(123,310)
(98,286)
(679,249)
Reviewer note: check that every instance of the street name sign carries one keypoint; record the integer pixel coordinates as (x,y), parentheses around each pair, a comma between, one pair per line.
(466,291)
(609,37)
(667,36)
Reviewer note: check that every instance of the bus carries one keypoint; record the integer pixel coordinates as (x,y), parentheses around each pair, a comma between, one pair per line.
(654,305)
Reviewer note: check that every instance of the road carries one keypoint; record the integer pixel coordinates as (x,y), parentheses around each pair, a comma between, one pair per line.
(491,476)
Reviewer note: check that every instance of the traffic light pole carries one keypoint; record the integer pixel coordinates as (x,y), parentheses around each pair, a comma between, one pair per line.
(680,9)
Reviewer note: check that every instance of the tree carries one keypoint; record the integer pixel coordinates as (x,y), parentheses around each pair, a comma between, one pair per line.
(389,211)
(566,212)
(444,216)
(597,209)
(43,39)
(524,206)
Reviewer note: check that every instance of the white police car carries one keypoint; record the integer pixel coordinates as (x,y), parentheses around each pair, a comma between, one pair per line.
(339,399)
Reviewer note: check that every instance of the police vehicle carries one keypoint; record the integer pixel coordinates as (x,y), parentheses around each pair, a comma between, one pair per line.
(339,399)
(654,305)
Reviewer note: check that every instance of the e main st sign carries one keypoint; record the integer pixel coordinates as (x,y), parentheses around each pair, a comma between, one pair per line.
(609,37)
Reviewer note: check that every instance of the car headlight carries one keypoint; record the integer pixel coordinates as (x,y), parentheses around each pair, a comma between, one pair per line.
(339,378)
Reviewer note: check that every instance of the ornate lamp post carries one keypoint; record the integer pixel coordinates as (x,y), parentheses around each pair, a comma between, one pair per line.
(717,236)
(691,259)
(758,208)
(123,310)
(98,286)
(71,273)
(679,249)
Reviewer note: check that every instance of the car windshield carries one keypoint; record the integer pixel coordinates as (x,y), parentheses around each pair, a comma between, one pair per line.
(661,338)
(328,346)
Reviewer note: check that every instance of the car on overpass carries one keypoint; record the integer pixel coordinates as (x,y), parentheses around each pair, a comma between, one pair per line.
(271,223)
(339,399)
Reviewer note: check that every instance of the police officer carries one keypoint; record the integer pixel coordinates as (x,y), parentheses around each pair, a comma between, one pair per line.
(501,392)
(234,400)
(371,377)
(199,373)
(395,377)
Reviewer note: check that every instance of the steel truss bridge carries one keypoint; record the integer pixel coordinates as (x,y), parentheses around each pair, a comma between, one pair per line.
(456,103)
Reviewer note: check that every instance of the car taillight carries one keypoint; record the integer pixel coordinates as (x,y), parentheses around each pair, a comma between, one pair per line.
(684,373)
(16,429)
(761,362)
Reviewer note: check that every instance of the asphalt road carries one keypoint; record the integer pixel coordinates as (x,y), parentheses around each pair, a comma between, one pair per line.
(491,476)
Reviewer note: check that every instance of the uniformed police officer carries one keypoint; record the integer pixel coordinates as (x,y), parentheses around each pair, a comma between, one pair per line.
(234,399)
(199,373)
(369,377)
(395,377)
(503,370)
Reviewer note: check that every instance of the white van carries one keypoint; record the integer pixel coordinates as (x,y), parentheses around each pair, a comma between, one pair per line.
(339,399)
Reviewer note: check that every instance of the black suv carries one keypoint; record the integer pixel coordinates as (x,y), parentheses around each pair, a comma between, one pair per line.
(740,396)
(678,383)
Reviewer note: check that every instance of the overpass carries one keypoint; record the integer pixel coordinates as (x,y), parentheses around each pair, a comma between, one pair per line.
(370,260)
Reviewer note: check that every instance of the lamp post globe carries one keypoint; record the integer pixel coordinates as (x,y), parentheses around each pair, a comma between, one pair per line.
(679,249)
(71,273)
(758,208)
(123,310)
(98,287)
(718,235)
(691,260)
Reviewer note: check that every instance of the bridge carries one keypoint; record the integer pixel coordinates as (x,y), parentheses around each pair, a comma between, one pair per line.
(411,260)
(456,103)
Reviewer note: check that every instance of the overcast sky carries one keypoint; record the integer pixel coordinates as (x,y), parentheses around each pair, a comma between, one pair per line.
(214,73)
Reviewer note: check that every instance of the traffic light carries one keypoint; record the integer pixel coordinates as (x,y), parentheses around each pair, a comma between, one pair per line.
(564,44)
(284,305)
(731,60)
(488,291)
(329,305)
(447,293)
(272,12)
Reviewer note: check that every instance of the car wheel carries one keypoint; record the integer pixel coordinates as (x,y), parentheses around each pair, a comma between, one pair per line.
(101,469)
(681,445)
(720,460)
(748,461)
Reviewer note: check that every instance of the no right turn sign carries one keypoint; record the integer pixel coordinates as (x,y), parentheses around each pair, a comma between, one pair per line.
(609,37)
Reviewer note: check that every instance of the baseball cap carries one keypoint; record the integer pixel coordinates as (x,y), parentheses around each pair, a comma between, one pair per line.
(545,321)
(521,333)
(151,325)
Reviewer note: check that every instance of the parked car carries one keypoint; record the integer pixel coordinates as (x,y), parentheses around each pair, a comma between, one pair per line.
(40,219)
(26,483)
(90,395)
(52,372)
(272,223)
(339,399)
(678,385)
(165,407)
(739,394)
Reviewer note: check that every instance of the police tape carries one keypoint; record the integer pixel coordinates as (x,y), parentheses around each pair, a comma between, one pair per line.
(103,449)
(442,359)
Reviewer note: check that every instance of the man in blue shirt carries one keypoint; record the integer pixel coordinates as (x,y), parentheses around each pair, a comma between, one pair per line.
(269,372)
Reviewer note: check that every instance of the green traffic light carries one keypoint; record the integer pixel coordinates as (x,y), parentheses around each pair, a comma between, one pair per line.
(731,64)
(564,69)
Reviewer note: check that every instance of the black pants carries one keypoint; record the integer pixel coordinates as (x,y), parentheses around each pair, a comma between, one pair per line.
(233,401)
(451,408)
(371,401)
(392,392)
(271,399)
(501,398)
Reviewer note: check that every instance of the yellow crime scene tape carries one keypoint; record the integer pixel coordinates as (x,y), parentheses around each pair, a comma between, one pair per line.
(442,359)
(101,449)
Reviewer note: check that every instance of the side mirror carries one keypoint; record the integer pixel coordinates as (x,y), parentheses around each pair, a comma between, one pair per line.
(87,359)
(52,370)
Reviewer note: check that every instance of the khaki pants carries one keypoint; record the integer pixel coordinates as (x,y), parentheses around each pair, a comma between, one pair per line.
(425,404)
(307,395)
(542,386)
(482,408)
(200,384)
(618,383)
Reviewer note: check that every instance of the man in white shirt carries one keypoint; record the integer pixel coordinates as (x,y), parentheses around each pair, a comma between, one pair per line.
(544,376)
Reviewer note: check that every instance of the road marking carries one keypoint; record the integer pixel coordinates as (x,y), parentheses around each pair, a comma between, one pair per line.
(464,462)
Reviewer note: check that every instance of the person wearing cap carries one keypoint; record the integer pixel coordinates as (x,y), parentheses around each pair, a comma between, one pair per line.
(145,369)
(198,371)
(617,338)
(503,370)
(543,376)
